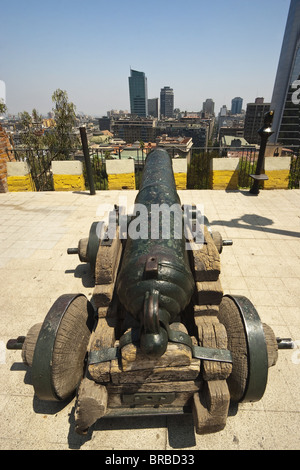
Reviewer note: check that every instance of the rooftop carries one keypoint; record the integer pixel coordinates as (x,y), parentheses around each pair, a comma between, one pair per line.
(263,264)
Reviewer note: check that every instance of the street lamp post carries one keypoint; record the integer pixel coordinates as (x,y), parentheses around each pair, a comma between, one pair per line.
(265,133)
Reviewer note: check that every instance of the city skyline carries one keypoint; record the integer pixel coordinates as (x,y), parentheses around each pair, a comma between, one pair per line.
(216,50)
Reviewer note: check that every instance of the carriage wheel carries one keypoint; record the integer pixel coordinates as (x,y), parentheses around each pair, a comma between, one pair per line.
(252,346)
(61,346)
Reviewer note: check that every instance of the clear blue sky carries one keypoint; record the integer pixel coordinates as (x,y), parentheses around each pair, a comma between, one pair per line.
(201,48)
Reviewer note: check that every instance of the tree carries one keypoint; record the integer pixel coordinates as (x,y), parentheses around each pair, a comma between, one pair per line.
(42,147)
(3,107)
(32,141)
(32,135)
(61,139)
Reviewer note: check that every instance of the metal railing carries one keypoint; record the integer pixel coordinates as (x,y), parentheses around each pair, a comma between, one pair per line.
(39,161)
(294,176)
(247,167)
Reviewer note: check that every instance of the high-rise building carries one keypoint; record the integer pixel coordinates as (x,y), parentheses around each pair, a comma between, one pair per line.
(284,103)
(138,93)
(135,129)
(104,123)
(166,102)
(223,111)
(209,107)
(254,119)
(236,105)
(153,107)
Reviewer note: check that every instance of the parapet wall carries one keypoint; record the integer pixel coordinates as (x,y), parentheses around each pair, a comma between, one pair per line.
(121,174)
(68,175)
(277,170)
(224,173)
(19,177)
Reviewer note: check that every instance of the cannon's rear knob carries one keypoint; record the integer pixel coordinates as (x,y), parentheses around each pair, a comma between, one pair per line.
(219,242)
(81,250)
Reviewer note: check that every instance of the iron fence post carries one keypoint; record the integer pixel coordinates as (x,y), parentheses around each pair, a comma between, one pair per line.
(87,159)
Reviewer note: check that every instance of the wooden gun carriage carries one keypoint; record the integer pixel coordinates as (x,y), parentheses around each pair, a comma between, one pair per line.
(160,336)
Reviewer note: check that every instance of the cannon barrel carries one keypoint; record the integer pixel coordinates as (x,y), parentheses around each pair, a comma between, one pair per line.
(155,282)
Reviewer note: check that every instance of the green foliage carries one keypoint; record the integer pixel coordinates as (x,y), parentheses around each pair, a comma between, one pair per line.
(32,135)
(198,172)
(61,139)
(98,173)
(58,142)
(3,107)
(294,175)
(138,177)
(246,167)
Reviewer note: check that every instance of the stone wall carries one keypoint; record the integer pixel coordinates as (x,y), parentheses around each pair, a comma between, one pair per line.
(120,174)
(68,176)
(278,170)
(180,172)
(224,173)
(19,177)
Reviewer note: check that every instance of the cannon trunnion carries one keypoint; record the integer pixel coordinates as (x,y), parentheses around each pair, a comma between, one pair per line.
(160,336)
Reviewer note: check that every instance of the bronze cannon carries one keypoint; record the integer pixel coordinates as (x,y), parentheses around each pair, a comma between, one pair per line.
(159,336)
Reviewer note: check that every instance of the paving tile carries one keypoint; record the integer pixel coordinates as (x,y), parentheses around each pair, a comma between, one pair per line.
(263,264)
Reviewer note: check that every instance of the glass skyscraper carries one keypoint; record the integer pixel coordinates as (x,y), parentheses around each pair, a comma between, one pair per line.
(236,105)
(286,123)
(138,93)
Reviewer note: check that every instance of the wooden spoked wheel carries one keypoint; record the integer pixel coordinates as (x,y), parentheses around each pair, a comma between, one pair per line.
(61,345)
(253,347)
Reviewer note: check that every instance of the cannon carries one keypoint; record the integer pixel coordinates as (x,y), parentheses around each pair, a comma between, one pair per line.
(159,336)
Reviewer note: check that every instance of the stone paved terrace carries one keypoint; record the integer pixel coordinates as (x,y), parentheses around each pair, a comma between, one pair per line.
(263,264)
